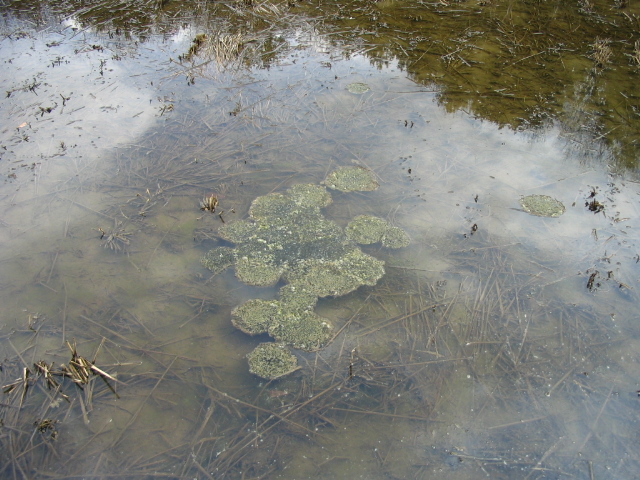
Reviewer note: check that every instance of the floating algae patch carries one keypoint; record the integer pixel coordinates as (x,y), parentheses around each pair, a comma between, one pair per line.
(310,195)
(287,237)
(237,232)
(298,298)
(367,229)
(257,316)
(218,259)
(358,87)
(352,179)
(304,331)
(542,205)
(259,269)
(271,360)
(337,277)
(395,237)
(254,316)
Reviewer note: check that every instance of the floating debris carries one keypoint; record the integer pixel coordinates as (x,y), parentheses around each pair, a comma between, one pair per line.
(79,370)
(592,203)
(226,49)
(542,206)
(209,203)
(196,44)
(352,179)
(601,52)
(358,88)
(116,240)
(47,426)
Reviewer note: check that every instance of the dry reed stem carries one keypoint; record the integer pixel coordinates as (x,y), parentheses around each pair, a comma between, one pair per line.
(260,409)
(235,452)
(388,322)
(519,422)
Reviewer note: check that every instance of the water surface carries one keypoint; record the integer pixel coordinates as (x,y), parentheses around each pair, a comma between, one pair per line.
(497,344)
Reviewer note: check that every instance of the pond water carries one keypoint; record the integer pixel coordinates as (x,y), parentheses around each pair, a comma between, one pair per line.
(498,344)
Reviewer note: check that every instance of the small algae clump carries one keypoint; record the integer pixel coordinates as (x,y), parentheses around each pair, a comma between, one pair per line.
(218,259)
(259,269)
(352,179)
(395,237)
(302,330)
(290,320)
(366,229)
(254,317)
(282,229)
(339,276)
(310,195)
(358,87)
(286,237)
(542,206)
(271,360)
(298,298)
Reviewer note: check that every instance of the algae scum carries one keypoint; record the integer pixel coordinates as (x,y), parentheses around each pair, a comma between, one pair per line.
(542,206)
(287,237)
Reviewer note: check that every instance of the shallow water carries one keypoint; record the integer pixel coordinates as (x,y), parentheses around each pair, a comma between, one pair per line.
(497,344)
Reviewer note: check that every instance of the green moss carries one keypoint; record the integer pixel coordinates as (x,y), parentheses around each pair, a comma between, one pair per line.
(271,360)
(352,179)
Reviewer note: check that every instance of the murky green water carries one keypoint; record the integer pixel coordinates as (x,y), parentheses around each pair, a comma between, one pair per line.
(497,344)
